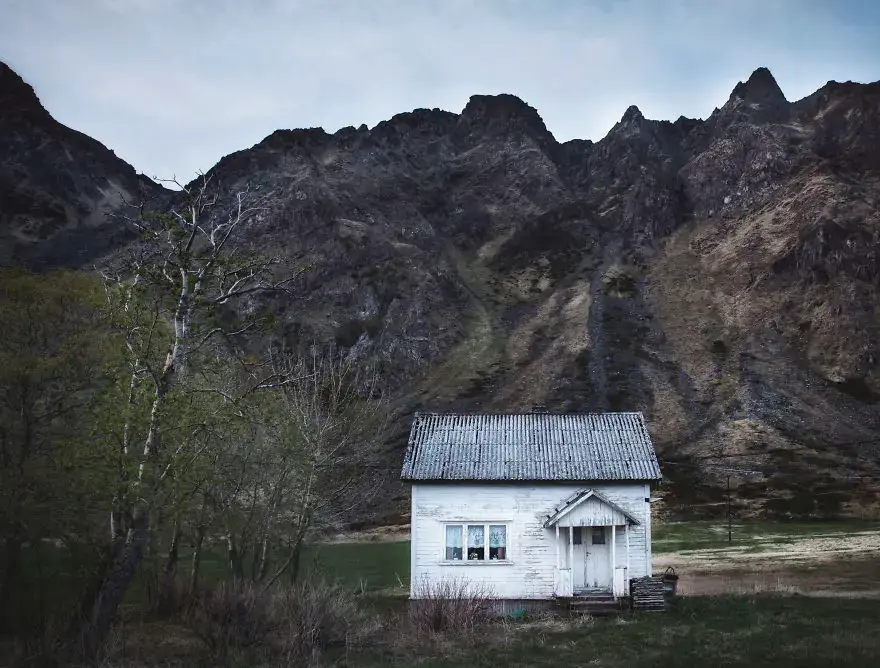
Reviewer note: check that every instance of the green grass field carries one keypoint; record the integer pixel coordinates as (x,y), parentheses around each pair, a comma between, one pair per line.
(702,631)
(375,567)
(779,628)
(703,535)
(382,566)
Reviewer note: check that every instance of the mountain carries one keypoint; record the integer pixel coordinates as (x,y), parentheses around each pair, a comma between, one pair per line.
(719,275)
(57,185)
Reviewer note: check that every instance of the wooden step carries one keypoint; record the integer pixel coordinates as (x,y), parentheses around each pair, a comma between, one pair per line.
(596,611)
(575,602)
(596,607)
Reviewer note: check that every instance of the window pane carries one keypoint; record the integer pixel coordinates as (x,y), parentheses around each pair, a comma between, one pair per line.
(598,535)
(576,535)
(476,542)
(497,541)
(453,542)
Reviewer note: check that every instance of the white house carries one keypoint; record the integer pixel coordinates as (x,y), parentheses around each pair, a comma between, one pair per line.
(531,506)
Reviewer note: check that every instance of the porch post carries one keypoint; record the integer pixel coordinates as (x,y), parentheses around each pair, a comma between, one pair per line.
(557,547)
(571,552)
(626,582)
(613,557)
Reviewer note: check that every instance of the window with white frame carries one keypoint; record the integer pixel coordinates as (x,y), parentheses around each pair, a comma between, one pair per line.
(476,542)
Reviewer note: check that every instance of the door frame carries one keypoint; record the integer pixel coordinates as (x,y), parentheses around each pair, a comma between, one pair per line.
(582,558)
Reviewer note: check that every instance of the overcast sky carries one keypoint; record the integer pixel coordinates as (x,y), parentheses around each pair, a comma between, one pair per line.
(174,85)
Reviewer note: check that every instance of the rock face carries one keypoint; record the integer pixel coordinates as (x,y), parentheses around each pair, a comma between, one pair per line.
(719,275)
(56,185)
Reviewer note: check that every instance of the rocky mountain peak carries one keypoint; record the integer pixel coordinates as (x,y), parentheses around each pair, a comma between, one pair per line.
(632,114)
(16,96)
(503,112)
(632,123)
(760,88)
(758,100)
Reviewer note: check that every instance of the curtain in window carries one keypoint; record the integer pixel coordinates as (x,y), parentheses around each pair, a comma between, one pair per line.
(497,541)
(476,542)
(453,542)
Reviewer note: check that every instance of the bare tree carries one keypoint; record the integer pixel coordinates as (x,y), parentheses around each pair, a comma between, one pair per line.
(326,435)
(189,263)
(301,457)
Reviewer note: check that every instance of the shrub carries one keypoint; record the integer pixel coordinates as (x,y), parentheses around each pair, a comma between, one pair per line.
(294,625)
(231,617)
(453,605)
(313,617)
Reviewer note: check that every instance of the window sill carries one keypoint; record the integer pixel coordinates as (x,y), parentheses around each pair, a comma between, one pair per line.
(477,562)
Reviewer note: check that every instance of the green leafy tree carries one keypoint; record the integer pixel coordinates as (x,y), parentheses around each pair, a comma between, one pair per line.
(55,356)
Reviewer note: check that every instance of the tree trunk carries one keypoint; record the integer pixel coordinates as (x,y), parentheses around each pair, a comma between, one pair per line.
(264,560)
(11,588)
(296,553)
(234,558)
(196,561)
(169,576)
(291,565)
(116,581)
(295,557)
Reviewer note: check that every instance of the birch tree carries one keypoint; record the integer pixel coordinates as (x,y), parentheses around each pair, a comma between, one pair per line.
(189,265)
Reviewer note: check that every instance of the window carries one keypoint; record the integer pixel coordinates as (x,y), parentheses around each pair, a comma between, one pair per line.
(476,542)
(497,542)
(598,535)
(453,542)
(576,533)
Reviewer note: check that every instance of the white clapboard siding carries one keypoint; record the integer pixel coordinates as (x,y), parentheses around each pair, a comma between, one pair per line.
(529,571)
(592,512)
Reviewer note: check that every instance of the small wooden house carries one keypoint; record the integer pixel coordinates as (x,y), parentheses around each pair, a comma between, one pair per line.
(531,506)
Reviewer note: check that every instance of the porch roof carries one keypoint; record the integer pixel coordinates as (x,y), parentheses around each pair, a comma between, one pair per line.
(576,499)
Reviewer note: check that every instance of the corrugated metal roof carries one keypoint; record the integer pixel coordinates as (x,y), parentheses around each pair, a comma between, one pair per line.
(530,446)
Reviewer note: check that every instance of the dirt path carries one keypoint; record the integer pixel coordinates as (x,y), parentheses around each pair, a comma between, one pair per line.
(820,565)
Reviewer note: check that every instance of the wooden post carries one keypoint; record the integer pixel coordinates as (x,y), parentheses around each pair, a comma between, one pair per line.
(729,530)
(571,553)
(613,557)
(557,549)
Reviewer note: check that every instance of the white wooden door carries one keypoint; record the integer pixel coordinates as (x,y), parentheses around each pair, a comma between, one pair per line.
(597,541)
(580,540)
